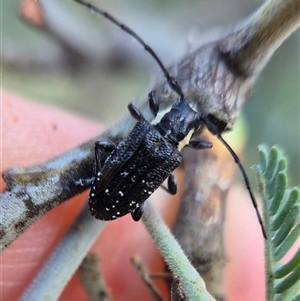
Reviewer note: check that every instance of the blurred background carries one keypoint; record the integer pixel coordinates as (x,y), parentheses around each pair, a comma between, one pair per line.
(84,64)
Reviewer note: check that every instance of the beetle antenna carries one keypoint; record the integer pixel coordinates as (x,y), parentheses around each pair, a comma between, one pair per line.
(212,126)
(171,81)
(246,180)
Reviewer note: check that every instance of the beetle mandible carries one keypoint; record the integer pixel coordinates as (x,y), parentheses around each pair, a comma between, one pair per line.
(140,163)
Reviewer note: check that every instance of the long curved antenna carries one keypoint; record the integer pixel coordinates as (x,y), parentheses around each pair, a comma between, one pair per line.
(213,127)
(247,182)
(171,81)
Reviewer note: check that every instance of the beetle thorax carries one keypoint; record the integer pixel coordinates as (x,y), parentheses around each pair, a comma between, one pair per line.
(179,124)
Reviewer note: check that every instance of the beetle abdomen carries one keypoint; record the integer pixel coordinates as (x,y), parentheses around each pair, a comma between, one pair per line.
(133,171)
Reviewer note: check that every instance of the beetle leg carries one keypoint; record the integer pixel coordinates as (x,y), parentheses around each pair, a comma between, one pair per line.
(102,147)
(172,185)
(199,144)
(135,112)
(138,212)
(153,104)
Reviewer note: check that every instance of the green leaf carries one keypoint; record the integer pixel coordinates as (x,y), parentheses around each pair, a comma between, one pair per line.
(279,194)
(296,298)
(288,281)
(287,244)
(289,222)
(288,294)
(281,219)
(291,198)
(288,267)
(271,171)
(263,155)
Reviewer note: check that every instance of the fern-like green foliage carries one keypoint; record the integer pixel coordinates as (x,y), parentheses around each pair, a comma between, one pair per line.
(281,218)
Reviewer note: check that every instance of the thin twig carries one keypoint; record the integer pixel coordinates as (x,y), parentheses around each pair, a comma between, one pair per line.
(193,285)
(65,259)
(200,220)
(177,290)
(142,270)
(91,278)
(264,32)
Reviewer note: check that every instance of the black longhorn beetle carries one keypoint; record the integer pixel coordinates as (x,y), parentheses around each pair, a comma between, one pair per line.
(140,163)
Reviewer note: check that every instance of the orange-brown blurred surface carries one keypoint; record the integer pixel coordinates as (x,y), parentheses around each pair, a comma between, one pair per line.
(33,133)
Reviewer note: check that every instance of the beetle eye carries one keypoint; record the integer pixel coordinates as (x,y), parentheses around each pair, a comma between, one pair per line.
(215,125)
